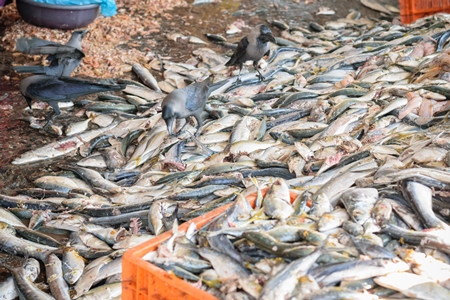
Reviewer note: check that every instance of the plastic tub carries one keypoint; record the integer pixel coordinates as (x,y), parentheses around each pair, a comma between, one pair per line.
(57,16)
(143,280)
(411,10)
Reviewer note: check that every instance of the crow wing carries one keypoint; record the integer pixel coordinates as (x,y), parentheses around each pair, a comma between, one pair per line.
(239,53)
(68,62)
(32,45)
(54,49)
(196,95)
(66,89)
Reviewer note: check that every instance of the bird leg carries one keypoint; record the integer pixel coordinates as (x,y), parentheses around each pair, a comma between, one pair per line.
(199,124)
(47,124)
(238,80)
(50,119)
(261,77)
(56,112)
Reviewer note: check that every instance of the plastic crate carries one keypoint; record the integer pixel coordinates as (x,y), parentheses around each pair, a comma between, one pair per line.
(143,280)
(411,10)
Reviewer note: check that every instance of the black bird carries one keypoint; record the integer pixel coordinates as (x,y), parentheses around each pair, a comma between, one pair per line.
(186,102)
(252,47)
(53,89)
(64,59)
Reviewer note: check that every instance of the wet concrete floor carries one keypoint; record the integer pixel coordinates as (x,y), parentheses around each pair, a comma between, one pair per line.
(17,137)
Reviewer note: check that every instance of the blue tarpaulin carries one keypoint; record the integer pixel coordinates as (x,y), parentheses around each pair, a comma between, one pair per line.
(108,8)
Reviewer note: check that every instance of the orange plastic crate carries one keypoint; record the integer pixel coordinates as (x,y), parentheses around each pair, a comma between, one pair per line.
(143,280)
(411,10)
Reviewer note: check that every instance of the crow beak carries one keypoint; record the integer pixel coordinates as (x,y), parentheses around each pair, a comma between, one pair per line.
(28,101)
(270,38)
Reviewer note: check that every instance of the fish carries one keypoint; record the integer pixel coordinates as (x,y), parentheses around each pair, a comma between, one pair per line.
(157,214)
(25,286)
(146,76)
(95,179)
(54,271)
(62,147)
(376,6)
(144,92)
(359,203)
(72,265)
(276,203)
(15,245)
(339,293)
(90,272)
(413,285)
(282,284)
(77,127)
(31,271)
(106,291)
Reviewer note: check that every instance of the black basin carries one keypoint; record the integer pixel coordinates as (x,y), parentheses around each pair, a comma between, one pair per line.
(57,16)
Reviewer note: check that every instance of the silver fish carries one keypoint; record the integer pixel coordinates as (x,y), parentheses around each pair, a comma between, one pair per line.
(72,265)
(7,287)
(54,272)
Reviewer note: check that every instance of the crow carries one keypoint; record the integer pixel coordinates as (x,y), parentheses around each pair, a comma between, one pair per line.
(186,102)
(53,89)
(64,59)
(252,47)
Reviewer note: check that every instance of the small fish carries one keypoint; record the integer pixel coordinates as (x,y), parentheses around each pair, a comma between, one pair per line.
(359,203)
(215,37)
(196,40)
(25,286)
(413,285)
(77,127)
(283,284)
(325,11)
(157,214)
(280,24)
(146,77)
(54,272)
(31,271)
(72,265)
(376,6)
(144,92)
(106,291)
(62,147)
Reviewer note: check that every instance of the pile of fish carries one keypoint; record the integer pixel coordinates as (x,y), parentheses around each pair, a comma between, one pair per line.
(359,248)
(351,119)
